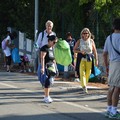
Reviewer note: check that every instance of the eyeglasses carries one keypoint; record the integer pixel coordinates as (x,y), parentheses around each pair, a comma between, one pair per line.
(54,42)
(85,33)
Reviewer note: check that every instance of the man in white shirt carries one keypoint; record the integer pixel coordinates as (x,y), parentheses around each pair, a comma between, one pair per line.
(42,37)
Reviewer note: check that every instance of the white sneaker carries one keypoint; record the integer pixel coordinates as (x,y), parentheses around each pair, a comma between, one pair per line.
(85,90)
(76,80)
(48,100)
(29,70)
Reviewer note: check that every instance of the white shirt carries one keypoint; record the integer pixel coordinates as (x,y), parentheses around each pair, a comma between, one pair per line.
(7,51)
(44,40)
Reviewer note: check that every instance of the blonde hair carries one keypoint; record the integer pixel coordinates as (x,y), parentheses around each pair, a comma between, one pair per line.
(49,23)
(85,29)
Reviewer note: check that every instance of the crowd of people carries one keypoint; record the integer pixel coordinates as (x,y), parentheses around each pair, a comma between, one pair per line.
(83,53)
(84,59)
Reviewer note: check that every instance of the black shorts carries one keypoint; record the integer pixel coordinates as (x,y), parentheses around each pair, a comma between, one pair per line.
(8,60)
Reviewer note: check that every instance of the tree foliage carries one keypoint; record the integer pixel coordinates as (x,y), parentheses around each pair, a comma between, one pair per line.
(67,15)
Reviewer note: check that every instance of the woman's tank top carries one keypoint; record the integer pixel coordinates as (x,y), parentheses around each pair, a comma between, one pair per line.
(86,46)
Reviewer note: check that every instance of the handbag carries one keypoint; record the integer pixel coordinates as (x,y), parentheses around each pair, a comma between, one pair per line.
(97,72)
(51,69)
(41,77)
(15,55)
(113,46)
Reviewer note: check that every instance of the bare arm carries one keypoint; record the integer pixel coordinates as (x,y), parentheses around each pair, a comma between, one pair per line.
(105,57)
(9,45)
(42,57)
(95,53)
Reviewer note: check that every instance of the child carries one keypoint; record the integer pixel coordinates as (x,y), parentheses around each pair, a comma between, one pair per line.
(24,65)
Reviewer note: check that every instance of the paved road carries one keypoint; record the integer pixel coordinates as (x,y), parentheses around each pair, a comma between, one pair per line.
(21,98)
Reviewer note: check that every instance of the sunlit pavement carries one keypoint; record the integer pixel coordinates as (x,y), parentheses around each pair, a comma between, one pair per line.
(21,97)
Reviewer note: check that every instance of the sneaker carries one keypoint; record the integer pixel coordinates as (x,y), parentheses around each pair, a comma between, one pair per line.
(48,100)
(116,116)
(85,90)
(76,80)
(29,70)
(107,114)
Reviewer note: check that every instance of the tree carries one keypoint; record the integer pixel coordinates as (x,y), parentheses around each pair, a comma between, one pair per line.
(67,15)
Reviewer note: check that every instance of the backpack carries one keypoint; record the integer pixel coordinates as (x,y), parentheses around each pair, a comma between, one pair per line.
(36,45)
(4,44)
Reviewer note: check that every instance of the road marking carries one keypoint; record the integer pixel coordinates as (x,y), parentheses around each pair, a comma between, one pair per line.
(12,86)
(79,106)
(69,103)
(8,85)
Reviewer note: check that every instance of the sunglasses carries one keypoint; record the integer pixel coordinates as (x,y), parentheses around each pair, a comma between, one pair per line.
(54,42)
(85,33)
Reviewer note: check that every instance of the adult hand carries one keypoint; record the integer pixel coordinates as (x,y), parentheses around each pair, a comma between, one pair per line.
(83,52)
(42,70)
(96,62)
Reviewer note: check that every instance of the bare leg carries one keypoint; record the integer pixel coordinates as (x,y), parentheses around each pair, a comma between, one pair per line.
(115,96)
(109,96)
(47,92)
(8,67)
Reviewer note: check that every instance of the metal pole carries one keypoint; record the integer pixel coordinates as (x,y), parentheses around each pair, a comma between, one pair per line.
(36,31)
(97,30)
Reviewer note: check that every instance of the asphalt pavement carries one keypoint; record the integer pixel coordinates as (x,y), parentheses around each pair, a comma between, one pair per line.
(21,98)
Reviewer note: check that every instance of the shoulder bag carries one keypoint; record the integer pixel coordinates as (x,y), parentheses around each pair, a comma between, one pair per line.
(113,46)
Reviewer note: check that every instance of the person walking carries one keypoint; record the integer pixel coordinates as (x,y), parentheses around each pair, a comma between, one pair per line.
(111,55)
(7,50)
(3,38)
(48,65)
(86,49)
(42,37)
(71,41)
